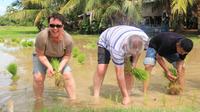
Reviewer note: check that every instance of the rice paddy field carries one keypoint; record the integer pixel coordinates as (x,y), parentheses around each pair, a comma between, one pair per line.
(18,95)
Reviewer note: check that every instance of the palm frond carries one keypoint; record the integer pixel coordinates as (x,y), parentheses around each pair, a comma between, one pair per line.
(71,4)
(98,13)
(132,10)
(42,13)
(92,4)
(180,6)
(23,14)
(43,3)
(112,9)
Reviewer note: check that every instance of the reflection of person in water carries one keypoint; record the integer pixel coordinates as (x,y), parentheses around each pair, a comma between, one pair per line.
(38,105)
(165,22)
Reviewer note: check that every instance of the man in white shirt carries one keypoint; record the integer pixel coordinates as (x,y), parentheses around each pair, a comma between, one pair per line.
(118,43)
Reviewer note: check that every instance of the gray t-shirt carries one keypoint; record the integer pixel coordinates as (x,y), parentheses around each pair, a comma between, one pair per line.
(49,48)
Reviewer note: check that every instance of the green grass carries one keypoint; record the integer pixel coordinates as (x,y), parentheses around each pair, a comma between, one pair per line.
(130,109)
(195,38)
(18,31)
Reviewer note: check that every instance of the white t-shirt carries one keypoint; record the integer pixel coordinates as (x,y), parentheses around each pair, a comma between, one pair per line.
(113,40)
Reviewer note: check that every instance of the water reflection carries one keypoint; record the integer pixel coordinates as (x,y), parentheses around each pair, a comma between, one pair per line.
(38,106)
(6,48)
(5,60)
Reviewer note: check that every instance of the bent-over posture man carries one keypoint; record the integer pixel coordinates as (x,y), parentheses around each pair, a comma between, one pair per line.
(118,43)
(170,46)
(52,42)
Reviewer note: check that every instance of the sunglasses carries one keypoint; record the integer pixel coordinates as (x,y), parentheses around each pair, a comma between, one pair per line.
(55,25)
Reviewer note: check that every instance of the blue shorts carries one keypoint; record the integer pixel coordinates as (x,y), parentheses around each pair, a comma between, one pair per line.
(39,67)
(151,57)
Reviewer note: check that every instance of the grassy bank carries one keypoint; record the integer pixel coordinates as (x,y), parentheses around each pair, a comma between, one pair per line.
(130,109)
(18,32)
(31,31)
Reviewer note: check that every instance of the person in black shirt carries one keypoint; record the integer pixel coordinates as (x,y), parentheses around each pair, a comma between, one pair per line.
(174,48)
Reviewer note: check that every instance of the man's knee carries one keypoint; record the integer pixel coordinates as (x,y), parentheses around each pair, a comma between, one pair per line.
(148,67)
(67,76)
(38,78)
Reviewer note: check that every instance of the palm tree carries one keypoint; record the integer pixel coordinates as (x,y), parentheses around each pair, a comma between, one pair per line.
(198,13)
(115,11)
(180,6)
(177,9)
(37,10)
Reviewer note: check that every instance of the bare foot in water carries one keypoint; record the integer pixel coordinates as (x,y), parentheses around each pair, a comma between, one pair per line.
(126,101)
(95,100)
(72,98)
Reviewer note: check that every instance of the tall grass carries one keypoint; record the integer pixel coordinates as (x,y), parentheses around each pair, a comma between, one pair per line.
(18,31)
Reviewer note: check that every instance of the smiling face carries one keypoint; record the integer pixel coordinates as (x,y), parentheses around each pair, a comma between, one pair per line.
(55,28)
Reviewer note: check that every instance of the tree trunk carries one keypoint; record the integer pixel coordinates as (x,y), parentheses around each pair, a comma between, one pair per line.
(198,13)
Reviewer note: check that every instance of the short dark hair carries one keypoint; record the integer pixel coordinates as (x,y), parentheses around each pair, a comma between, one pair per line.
(186,44)
(57,16)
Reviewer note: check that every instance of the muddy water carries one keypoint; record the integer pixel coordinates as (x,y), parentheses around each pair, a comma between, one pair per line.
(22,100)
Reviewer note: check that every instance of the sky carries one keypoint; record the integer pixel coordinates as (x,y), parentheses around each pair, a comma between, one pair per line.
(3,5)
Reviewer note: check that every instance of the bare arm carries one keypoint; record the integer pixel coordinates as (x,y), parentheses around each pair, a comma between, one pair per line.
(165,68)
(66,57)
(162,62)
(64,61)
(121,80)
(181,73)
(135,59)
(180,68)
(43,59)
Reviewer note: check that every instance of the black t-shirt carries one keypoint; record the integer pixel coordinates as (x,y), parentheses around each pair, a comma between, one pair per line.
(165,43)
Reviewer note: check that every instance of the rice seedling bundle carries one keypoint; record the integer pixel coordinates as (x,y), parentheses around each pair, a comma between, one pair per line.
(12,69)
(81,58)
(59,81)
(75,52)
(138,73)
(173,86)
